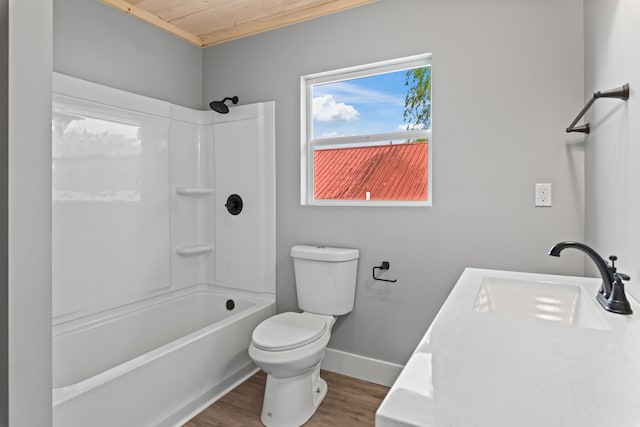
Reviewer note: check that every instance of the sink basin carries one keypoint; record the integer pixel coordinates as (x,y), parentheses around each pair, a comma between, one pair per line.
(558,303)
(514,348)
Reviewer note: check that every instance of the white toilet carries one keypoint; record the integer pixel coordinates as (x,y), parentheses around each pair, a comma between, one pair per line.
(290,346)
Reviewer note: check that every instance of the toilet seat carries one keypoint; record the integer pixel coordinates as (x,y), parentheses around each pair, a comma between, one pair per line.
(287,331)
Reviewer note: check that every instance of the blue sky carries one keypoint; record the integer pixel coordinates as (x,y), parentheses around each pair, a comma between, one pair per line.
(365,105)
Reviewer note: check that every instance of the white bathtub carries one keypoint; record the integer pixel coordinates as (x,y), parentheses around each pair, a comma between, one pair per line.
(156,362)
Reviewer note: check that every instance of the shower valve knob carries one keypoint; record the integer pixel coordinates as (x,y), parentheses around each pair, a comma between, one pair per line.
(234,204)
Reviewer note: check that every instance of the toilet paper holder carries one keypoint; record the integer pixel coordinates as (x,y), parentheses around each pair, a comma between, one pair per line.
(384,266)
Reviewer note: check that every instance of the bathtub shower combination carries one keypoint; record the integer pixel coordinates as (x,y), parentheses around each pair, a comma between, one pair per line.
(157,287)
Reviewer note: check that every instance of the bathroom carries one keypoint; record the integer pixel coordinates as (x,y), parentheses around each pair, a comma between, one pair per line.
(508,78)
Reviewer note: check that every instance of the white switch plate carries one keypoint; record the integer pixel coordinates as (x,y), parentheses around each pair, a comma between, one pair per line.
(543,194)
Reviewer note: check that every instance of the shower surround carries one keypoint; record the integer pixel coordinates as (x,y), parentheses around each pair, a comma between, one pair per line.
(139,222)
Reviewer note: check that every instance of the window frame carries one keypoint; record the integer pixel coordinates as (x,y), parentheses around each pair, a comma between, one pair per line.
(308,144)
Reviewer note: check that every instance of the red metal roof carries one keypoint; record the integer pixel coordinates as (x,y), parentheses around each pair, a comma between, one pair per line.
(387,172)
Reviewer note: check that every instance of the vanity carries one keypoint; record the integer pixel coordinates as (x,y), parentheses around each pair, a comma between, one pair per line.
(521,349)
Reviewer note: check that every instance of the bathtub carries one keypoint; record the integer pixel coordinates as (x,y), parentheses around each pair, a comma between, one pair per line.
(156,362)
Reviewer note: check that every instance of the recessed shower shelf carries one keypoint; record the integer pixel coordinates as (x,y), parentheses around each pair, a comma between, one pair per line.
(194,250)
(194,191)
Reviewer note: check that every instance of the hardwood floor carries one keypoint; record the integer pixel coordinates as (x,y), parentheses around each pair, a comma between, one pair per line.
(349,403)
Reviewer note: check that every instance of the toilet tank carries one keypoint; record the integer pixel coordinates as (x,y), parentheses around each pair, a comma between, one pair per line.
(325,278)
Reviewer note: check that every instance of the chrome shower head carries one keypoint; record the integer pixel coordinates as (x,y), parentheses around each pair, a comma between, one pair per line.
(220,106)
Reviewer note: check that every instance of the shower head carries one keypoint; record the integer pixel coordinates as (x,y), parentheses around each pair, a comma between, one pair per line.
(220,106)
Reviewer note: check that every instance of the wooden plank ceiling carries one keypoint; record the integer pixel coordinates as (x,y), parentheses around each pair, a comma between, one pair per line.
(209,22)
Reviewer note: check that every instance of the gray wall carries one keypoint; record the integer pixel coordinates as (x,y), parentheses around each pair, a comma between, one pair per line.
(613,147)
(96,42)
(507,78)
(29,213)
(4,220)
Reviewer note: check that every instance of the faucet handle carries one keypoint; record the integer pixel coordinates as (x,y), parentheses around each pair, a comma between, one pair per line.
(623,276)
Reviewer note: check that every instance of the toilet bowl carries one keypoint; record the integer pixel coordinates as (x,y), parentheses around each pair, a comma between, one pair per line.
(290,346)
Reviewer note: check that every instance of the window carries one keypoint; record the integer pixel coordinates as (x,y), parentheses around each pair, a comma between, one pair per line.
(366,135)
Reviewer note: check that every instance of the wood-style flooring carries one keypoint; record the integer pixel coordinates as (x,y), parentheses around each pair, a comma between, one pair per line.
(349,403)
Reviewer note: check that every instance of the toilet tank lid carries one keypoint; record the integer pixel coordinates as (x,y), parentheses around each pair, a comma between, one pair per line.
(324,253)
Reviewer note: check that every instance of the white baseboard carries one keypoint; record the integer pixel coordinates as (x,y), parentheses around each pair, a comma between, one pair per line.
(361,367)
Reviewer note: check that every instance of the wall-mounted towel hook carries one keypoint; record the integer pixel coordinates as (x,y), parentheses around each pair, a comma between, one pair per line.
(384,266)
(621,92)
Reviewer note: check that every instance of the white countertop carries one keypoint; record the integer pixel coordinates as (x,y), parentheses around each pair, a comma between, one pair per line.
(479,365)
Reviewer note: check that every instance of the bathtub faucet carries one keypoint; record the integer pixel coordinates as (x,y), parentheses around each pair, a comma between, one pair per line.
(611,294)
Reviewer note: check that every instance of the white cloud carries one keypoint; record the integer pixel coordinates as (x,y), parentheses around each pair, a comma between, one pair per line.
(330,135)
(413,126)
(350,92)
(326,109)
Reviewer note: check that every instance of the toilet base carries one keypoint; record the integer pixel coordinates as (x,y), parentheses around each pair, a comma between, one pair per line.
(290,402)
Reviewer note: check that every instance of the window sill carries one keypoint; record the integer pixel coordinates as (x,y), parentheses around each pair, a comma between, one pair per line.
(383,203)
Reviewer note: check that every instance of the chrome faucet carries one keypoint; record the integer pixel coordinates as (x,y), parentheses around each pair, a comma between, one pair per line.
(611,294)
